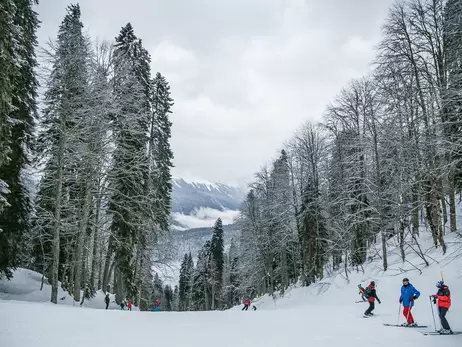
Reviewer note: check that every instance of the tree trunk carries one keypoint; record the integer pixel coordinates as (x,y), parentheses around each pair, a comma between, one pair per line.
(452,203)
(107,263)
(213,297)
(401,238)
(57,216)
(94,261)
(415,211)
(206,299)
(79,259)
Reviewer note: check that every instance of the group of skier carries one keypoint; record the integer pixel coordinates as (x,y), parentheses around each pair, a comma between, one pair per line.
(408,295)
(128,304)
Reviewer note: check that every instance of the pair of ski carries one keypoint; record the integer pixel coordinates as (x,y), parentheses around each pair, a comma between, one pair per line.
(423,332)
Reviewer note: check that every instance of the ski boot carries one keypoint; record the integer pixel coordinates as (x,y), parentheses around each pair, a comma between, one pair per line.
(445,331)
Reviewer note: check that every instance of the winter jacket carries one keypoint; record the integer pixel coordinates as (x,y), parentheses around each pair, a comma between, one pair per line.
(247,302)
(129,305)
(408,294)
(373,294)
(444,297)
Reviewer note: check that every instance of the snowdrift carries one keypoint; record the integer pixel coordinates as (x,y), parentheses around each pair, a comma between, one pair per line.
(25,286)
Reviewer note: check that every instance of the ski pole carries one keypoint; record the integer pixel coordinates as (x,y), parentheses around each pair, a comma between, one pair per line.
(433,313)
(399,313)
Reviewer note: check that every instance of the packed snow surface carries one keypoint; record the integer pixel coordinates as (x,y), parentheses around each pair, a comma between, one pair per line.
(324,314)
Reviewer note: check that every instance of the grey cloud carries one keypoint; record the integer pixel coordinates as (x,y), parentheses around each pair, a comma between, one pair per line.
(244,74)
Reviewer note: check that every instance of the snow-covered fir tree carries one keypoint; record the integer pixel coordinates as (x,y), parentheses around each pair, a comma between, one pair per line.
(60,144)
(17,112)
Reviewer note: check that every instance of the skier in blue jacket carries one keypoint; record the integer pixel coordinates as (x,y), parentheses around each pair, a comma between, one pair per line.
(408,295)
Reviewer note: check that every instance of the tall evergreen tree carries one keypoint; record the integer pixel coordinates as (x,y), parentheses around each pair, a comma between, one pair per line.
(128,203)
(6,90)
(160,153)
(18,89)
(217,262)
(59,146)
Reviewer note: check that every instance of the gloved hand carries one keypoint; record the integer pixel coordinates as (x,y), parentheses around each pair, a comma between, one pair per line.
(414,298)
(379,301)
(400,300)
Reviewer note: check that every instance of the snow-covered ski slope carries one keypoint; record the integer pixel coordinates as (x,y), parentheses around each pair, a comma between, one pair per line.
(324,314)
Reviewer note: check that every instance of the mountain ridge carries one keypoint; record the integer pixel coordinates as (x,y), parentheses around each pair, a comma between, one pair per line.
(198,203)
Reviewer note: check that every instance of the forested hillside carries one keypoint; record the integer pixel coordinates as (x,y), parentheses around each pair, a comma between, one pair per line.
(100,146)
(384,166)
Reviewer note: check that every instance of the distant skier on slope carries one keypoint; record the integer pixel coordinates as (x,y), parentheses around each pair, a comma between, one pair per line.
(106,300)
(157,307)
(129,305)
(408,295)
(246,304)
(444,302)
(371,294)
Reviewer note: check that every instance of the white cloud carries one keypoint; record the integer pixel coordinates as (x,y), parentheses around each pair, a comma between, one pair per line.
(205,217)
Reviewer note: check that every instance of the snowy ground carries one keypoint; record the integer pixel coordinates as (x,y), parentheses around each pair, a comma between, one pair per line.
(323,315)
(25,286)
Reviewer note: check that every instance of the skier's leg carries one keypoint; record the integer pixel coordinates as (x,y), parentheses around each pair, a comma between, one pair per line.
(370,308)
(410,318)
(444,322)
(405,312)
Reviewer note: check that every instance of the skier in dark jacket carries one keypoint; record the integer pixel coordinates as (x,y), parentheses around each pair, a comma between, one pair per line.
(444,302)
(106,300)
(371,298)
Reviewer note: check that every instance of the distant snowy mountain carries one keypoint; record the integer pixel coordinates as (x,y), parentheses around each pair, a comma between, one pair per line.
(198,203)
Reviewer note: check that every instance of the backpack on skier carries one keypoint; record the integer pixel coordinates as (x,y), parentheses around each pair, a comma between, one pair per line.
(368,292)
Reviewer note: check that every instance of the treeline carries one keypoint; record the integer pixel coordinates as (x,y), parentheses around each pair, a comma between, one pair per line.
(206,285)
(100,148)
(385,164)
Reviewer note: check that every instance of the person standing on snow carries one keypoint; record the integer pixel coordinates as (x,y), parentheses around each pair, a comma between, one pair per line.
(371,295)
(157,308)
(106,300)
(246,304)
(444,302)
(408,295)
(129,305)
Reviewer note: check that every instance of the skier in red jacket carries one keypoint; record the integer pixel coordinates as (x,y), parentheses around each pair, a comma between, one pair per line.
(444,302)
(246,304)
(371,296)
(129,305)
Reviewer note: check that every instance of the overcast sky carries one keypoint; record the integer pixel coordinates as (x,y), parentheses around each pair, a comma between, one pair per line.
(245,74)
